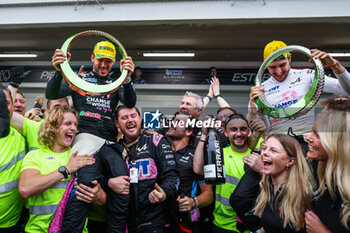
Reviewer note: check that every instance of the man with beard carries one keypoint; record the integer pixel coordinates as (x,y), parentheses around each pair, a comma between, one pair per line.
(193,193)
(237,131)
(152,173)
(96,113)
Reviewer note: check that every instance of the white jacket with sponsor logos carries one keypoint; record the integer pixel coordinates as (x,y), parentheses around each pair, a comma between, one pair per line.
(292,89)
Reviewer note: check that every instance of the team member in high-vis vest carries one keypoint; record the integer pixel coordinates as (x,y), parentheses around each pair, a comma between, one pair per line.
(30,128)
(45,172)
(237,130)
(12,152)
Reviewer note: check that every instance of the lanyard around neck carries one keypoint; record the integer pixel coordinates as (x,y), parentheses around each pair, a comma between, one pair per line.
(132,156)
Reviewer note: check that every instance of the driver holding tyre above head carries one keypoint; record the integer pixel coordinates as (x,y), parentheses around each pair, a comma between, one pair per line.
(96,112)
(286,86)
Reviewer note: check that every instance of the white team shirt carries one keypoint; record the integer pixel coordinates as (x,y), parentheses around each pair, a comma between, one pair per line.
(292,89)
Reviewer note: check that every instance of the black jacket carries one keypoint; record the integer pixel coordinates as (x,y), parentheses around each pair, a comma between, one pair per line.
(96,113)
(244,197)
(156,164)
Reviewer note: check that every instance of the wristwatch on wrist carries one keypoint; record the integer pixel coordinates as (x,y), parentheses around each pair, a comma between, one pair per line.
(195,202)
(64,171)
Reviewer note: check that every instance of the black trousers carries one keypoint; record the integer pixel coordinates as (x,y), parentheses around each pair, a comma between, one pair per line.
(217,229)
(108,164)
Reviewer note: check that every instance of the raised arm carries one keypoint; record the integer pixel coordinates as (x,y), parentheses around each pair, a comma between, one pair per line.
(17,121)
(215,83)
(55,88)
(127,94)
(342,84)
(198,159)
(209,97)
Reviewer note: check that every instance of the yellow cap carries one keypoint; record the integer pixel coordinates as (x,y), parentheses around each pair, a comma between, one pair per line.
(104,49)
(272,47)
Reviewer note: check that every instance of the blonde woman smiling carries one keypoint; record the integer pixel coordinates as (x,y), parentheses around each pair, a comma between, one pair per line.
(329,143)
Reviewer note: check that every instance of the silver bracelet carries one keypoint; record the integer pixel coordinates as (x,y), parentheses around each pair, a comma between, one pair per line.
(195,202)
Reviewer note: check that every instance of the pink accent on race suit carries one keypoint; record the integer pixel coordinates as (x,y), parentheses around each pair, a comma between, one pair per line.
(156,138)
(292,94)
(150,173)
(56,223)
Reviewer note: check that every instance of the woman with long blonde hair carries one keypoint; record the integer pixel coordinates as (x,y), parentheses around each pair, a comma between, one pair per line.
(329,143)
(287,185)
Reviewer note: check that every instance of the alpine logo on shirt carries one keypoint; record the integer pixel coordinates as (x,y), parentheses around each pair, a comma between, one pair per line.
(185,159)
(296,81)
(144,148)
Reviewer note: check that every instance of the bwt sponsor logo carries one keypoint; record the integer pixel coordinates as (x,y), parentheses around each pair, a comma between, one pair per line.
(153,120)
(272,89)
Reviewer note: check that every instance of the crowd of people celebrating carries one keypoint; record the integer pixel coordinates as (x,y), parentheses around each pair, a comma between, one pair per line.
(87,165)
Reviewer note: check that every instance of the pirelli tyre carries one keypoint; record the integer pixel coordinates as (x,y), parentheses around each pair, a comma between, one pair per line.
(81,86)
(305,104)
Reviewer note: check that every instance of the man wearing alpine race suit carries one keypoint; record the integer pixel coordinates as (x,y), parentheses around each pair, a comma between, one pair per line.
(286,86)
(96,114)
(186,212)
(152,174)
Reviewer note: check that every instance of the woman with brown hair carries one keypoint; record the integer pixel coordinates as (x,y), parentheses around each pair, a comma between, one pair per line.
(287,185)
